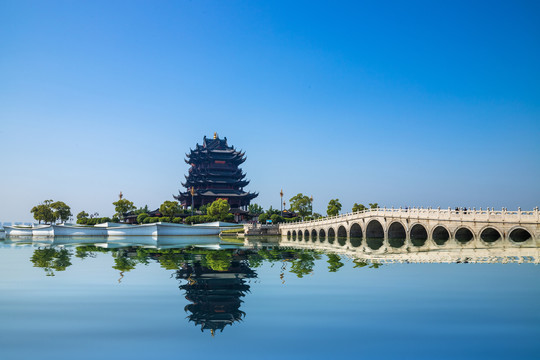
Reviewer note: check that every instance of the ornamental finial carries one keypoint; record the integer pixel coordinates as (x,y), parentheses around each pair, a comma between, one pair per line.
(120,196)
(215,135)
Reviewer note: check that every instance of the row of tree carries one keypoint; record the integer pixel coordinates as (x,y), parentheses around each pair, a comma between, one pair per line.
(300,262)
(52,211)
(169,211)
(303,206)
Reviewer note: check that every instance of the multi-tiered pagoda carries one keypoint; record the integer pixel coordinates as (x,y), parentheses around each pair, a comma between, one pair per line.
(215,174)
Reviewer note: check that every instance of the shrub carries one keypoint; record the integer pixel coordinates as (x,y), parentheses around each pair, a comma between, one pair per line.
(165,219)
(141,217)
(199,219)
(178,220)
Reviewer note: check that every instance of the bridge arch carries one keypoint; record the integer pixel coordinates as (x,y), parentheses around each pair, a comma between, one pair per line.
(300,235)
(489,234)
(396,234)
(306,235)
(342,235)
(294,235)
(331,235)
(519,235)
(418,235)
(463,235)
(374,234)
(314,235)
(322,235)
(355,235)
(440,235)
(289,235)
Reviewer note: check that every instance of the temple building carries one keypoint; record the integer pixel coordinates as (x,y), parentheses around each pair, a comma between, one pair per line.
(215,174)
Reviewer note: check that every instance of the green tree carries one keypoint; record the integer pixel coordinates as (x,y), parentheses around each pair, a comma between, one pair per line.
(219,208)
(142,210)
(301,204)
(170,208)
(263,218)
(271,211)
(43,212)
(276,219)
(358,207)
(255,209)
(61,211)
(122,207)
(334,207)
(82,215)
(374,205)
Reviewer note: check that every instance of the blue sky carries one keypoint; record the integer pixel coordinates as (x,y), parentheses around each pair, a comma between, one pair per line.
(400,103)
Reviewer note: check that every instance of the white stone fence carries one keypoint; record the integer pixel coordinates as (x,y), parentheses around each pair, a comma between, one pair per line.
(491,215)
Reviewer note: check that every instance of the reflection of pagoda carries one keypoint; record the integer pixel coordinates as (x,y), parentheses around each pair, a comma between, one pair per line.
(215,295)
(215,174)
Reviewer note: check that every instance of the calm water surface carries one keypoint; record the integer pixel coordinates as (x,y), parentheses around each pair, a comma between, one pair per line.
(121,301)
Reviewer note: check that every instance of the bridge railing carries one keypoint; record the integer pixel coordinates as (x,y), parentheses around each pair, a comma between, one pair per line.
(431,214)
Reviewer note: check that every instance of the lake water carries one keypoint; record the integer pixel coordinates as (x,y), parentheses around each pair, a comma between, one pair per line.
(226,301)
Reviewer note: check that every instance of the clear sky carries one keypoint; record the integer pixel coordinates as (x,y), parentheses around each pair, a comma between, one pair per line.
(402,103)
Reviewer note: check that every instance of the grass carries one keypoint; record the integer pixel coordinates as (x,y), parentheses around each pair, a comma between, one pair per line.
(233,231)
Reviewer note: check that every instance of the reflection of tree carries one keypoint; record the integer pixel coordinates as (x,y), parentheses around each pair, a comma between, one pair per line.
(334,262)
(255,260)
(304,263)
(219,260)
(171,261)
(123,262)
(360,264)
(51,259)
(82,253)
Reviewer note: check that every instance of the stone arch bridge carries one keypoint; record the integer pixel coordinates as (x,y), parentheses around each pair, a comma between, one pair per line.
(388,230)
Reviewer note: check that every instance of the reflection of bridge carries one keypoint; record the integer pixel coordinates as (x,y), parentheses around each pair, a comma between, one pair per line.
(434,254)
(392,230)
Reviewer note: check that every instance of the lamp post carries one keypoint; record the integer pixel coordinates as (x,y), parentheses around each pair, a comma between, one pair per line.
(192,191)
(281,194)
(311,204)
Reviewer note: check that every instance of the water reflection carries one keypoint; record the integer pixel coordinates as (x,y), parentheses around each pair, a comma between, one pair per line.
(215,277)
(51,259)
(214,286)
(214,281)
